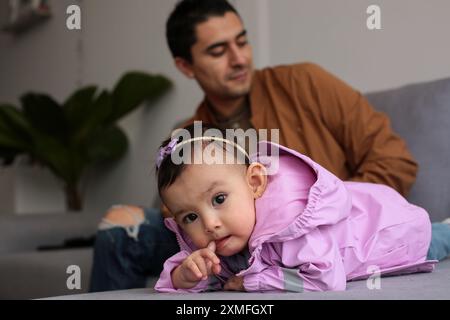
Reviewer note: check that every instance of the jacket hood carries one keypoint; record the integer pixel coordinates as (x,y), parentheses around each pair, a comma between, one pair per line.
(183,240)
(281,220)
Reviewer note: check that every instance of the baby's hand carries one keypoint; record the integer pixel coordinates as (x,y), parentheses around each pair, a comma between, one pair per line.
(197,266)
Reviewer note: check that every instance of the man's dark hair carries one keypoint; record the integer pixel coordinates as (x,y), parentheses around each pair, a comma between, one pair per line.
(180,27)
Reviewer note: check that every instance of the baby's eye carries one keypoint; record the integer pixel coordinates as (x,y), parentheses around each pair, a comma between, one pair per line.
(219,199)
(189,218)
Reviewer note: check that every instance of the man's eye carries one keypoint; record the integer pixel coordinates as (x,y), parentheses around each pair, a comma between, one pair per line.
(217,52)
(219,199)
(189,218)
(242,43)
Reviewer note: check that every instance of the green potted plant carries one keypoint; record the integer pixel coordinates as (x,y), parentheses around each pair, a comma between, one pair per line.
(70,137)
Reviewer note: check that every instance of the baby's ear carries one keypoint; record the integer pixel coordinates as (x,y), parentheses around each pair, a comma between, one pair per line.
(257,179)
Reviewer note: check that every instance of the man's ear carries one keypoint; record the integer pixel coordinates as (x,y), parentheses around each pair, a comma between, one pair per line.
(257,179)
(185,67)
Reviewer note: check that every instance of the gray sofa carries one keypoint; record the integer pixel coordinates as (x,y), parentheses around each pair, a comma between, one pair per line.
(26,273)
(419,286)
(420,113)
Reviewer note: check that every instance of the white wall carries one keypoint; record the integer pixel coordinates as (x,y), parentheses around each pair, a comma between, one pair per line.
(413,44)
(118,36)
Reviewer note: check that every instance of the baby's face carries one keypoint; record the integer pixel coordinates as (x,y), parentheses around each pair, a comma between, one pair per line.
(213,203)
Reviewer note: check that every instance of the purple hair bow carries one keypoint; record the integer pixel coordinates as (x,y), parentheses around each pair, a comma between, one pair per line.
(165,151)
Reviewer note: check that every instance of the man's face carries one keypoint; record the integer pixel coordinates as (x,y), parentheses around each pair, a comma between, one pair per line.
(222,60)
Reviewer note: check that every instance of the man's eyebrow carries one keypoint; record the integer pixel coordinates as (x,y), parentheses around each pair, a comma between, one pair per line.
(224,43)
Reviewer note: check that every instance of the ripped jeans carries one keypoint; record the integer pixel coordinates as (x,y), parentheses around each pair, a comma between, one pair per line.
(125,257)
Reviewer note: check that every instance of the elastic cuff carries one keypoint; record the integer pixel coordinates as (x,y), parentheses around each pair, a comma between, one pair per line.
(251,283)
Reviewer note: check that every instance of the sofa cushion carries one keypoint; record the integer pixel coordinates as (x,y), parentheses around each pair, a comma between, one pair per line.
(31,275)
(420,114)
(418,286)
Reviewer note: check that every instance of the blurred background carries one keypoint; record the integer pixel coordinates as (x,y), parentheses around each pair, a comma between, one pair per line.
(117,37)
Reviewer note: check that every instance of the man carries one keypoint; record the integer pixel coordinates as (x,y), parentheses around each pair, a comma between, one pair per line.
(316,114)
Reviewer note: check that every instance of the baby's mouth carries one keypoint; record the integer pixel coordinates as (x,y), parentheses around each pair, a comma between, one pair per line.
(221,242)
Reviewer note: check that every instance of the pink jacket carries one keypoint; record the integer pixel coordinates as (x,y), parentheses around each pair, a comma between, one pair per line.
(315,232)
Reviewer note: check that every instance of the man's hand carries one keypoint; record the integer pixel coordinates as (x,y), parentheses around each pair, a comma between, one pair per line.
(235,283)
(196,267)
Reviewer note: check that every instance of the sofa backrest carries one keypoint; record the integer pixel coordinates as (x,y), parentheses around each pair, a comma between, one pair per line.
(27,233)
(420,114)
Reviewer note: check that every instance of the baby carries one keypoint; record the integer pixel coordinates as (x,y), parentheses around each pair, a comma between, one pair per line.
(297,229)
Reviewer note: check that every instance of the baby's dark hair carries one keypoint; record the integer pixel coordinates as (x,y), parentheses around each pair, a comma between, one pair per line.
(167,172)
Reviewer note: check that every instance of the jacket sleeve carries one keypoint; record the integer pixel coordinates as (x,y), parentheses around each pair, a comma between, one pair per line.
(316,265)
(374,152)
(164,283)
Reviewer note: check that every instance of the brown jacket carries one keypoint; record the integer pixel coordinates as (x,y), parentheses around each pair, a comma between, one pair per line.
(324,118)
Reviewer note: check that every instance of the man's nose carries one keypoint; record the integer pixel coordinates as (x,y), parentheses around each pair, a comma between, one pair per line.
(237,56)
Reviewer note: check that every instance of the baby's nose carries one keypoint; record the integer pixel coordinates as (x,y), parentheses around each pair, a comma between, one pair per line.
(212,224)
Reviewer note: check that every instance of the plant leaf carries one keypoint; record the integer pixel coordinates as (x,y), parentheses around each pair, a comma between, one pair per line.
(45,114)
(132,89)
(15,131)
(94,119)
(64,161)
(8,155)
(108,144)
(79,106)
